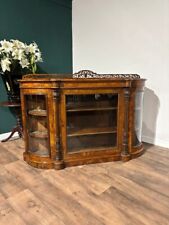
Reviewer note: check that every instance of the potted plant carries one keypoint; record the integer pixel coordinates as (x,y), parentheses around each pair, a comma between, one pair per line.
(17,58)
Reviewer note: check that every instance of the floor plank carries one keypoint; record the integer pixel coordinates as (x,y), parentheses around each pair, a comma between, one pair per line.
(9,185)
(55,199)
(83,193)
(113,193)
(6,156)
(32,210)
(9,216)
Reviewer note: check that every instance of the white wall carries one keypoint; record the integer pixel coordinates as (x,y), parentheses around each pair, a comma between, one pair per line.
(128,36)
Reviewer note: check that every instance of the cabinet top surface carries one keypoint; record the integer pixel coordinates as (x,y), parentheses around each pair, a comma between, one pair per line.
(84,75)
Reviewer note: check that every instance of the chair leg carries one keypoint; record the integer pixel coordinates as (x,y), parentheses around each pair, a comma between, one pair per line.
(14,130)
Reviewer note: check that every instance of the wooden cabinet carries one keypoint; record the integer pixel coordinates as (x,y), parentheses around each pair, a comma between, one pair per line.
(81,118)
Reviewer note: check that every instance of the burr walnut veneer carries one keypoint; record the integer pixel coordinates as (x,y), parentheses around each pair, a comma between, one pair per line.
(81,118)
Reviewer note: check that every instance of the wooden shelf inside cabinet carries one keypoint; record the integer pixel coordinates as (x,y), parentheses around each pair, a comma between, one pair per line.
(37,112)
(40,153)
(82,109)
(39,134)
(91,131)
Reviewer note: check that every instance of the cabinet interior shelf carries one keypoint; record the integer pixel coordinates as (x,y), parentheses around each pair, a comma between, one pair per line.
(91,131)
(107,148)
(37,112)
(82,109)
(39,134)
(43,153)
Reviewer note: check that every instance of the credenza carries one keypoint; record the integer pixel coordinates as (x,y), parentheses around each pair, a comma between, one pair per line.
(81,118)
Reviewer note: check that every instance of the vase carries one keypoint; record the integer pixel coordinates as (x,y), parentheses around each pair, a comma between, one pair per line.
(11,83)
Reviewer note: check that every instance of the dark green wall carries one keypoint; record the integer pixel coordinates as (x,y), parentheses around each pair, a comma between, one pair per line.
(49,24)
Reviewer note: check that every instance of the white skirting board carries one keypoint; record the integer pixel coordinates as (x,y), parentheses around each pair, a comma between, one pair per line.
(5,135)
(156,141)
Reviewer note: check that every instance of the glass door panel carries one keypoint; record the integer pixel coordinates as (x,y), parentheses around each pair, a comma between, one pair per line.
(91,142)
(138,118)
(91,122)
(38,137)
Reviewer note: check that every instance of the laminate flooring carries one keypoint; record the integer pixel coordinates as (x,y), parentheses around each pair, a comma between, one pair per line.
(114,193)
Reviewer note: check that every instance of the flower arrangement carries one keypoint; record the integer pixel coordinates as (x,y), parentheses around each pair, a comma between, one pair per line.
(18,56)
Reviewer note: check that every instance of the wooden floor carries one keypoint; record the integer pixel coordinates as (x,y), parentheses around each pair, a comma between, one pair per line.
(116,193)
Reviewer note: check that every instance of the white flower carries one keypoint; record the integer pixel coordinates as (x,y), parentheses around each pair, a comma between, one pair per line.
(18,44)
(5,64)
(1,49)
(24,63)
(32,48)
(38,56)
(6,46)
(18,54)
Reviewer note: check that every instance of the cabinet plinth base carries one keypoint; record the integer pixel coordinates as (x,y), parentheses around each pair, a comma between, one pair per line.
(42,163)
(46,163)
(125,157)
(79,162)
(137,152)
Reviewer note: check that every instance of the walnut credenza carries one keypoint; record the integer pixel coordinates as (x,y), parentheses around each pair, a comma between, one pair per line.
(81,118)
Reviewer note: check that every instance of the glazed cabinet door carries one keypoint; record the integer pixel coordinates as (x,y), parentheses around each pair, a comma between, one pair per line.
(92,123)
(39,123)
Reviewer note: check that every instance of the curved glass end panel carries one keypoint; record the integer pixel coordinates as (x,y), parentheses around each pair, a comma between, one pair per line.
(138,118)
(37,128)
